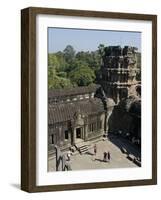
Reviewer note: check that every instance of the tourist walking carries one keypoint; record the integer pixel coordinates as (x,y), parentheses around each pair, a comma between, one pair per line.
(68,155)
(109,156)
(95,149)
(105,156)
(95,152)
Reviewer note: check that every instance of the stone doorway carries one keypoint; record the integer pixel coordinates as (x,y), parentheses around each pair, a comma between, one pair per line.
(79,135)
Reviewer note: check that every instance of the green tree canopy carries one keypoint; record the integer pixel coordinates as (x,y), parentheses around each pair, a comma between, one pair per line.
(82,76)
(53,61)
(69,68)
(57,82)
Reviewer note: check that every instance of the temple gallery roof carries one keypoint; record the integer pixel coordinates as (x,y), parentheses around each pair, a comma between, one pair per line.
(65,111)
(57,93)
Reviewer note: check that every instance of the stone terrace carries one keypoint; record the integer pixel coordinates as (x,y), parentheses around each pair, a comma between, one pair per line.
(89,161)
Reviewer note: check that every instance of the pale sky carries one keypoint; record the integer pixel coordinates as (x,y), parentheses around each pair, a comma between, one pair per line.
(89,40)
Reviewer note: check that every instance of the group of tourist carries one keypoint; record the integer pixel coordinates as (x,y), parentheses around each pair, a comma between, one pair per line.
(106,155)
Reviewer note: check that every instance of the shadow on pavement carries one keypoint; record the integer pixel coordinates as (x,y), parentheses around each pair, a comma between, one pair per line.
(124,143)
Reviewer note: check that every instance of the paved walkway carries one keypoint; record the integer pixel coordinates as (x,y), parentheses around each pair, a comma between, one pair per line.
(89,161)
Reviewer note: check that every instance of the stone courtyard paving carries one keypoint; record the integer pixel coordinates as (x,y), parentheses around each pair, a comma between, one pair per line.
(89,161)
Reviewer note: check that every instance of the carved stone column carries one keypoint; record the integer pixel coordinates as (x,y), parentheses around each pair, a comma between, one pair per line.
(74,135)
(85,131)
(63,162)
(58,159)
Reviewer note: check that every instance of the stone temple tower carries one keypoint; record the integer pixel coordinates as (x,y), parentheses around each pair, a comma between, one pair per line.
(118,71)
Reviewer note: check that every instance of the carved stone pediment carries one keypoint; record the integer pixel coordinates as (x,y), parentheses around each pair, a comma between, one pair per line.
(78,118)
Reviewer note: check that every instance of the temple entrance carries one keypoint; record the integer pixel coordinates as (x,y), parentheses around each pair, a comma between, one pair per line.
(79,135)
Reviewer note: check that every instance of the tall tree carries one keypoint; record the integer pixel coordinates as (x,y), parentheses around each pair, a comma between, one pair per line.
(101,48)
(69,54)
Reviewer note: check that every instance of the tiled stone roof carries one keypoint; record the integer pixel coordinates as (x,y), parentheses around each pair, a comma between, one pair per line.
(57,93)
(62,112)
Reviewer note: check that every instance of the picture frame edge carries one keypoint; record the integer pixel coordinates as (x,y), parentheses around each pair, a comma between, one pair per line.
(28,102)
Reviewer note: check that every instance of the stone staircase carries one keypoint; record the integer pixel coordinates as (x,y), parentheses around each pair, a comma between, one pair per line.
(82,147)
